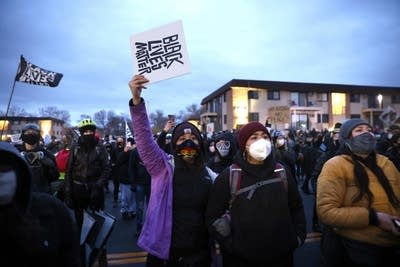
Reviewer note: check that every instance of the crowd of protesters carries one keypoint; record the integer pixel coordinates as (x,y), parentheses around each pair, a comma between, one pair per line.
(239,190)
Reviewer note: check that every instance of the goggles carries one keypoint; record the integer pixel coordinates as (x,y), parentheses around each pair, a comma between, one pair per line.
(223,145)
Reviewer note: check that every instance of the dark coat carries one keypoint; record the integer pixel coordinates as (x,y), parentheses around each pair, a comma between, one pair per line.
(36,229)
(264,229)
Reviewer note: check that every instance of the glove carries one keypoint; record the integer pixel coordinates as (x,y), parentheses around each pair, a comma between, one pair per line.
(223,225)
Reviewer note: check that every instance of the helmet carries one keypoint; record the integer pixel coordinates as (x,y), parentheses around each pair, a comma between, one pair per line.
(86,124)
(30,126)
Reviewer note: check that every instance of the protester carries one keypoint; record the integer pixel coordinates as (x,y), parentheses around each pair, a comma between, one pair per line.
(128,203)
(87,172)
(266,222)
(328,150)
(225,148)
(384,142)
(164,138)
(36,228)
(41,162)
(357,199)
(115,153)
(393,152)
(284,154)
(174,232)
(62,162)
(141,184)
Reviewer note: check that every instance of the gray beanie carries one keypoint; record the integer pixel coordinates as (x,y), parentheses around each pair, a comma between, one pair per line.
(349,125)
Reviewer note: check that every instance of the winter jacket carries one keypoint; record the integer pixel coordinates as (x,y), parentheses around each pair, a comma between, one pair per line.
(265,228)
(336,191)
(38,229)
(88,166)
(122,167)
(138,172)
(175,223)
(43,167)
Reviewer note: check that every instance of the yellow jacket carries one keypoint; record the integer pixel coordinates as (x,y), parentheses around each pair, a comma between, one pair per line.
(336,190)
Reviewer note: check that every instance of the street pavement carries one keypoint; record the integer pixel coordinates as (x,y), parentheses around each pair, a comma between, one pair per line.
(122,250)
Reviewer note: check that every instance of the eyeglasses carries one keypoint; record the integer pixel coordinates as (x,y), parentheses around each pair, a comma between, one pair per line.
(223,144)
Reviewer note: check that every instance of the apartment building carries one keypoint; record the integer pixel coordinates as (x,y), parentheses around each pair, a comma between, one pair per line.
(283,105)
(11,126)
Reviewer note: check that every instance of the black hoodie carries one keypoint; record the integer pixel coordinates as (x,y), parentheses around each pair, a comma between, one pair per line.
(36,229)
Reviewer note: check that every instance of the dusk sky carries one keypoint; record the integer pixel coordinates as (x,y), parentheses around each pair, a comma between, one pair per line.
(344,42)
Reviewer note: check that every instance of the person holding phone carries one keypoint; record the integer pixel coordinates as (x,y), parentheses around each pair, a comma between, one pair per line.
(164,139)
(358,199)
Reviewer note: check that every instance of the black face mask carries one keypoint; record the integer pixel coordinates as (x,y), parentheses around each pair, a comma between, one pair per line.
(88,141)
(30,139)
(362,144)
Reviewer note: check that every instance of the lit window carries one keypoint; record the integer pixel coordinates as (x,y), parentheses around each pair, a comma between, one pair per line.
(338,103)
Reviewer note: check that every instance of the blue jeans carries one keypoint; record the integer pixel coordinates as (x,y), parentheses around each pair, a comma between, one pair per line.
(142,195)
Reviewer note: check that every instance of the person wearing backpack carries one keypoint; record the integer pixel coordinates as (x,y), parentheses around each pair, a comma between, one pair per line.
(255,211)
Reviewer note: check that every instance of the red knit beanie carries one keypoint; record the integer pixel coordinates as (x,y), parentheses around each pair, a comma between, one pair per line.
(247,130)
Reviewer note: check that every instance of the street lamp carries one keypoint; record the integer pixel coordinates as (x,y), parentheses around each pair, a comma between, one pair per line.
(380,97)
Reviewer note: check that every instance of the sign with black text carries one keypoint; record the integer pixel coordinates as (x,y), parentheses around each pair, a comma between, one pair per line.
(160,53)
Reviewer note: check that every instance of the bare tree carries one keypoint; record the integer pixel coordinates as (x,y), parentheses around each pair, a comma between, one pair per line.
(54,112)
(192,112)
(17,111)
(100,118)
(115,125)
(157,121)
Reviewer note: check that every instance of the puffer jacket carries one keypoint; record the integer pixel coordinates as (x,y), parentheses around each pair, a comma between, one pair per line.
(336,191)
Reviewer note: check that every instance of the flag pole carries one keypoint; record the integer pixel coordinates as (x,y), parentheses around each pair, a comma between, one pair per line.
(126,134)
(9,102)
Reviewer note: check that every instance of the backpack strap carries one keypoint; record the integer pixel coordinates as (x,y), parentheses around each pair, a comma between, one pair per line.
(235,175)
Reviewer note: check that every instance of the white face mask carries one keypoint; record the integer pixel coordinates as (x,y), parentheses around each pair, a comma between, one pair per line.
(280,141)
(260,149)
(390,135)
(8,187)
(212,149)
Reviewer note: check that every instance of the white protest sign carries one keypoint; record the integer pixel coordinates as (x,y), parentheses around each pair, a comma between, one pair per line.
(160,53)
(388,116)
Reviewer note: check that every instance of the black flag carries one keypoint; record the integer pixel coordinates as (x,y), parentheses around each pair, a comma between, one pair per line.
(29,73)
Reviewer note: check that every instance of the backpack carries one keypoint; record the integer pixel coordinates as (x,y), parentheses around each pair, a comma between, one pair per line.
(235,176)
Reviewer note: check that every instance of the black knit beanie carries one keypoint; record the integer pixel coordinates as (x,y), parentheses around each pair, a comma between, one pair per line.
(181,129)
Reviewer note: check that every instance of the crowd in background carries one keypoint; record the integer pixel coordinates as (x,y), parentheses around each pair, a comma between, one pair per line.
(303,153)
